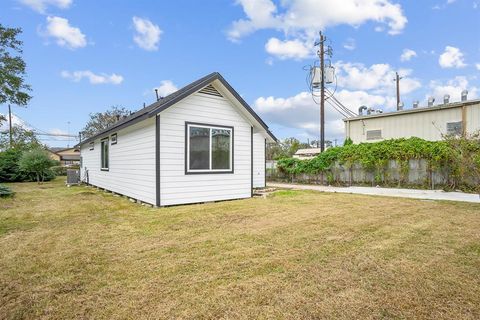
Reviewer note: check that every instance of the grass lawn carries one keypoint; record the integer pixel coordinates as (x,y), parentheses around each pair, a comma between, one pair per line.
(82,253)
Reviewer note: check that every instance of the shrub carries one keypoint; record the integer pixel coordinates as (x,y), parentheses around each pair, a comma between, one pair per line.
(5,191)
(59,171)
(36,163)
(9,169)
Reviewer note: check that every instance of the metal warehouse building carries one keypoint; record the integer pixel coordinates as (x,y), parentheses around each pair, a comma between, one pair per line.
(429,123)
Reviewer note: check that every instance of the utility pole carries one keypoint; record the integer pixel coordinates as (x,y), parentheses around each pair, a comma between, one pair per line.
(321,53)
(10,125)
(397,80)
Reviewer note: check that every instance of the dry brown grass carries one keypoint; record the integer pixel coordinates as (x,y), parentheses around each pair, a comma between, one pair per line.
(81,253)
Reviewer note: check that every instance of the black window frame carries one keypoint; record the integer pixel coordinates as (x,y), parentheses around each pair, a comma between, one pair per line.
(187,148)
(91,146)
(104,143)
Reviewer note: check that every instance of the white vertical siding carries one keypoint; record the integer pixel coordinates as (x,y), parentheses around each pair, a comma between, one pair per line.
(132,162)
(428,125)
(473,118)
(176,187)
(258,160)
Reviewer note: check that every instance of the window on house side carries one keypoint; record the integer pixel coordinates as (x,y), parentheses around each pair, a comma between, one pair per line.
(104,155)
(209,148)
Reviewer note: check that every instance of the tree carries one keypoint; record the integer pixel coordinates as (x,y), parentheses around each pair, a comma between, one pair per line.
(2,119)
(285,148)
(12,68)
(9,170)
(23,139)
(102,120)
(37,162)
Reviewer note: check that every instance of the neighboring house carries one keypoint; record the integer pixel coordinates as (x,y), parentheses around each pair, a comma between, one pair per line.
(309,153)
(429,123)
(66,156)
(201,143)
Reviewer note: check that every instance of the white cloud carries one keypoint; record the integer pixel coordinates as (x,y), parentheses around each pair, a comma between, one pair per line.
(301,112)
(92,77)
(407,55)
(288,49)
(452,87)
(308,16)
(358,85)
(378,78)
(147,34)
(350,44)
(477,65)
(64,34)
(41,5)
(16,121)
(165,88)
(451,58)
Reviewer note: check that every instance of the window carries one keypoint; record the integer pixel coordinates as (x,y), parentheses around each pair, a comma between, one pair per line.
(374,134)
(113,139)
(91,145)
(104,155)
(209,148)
(454,128)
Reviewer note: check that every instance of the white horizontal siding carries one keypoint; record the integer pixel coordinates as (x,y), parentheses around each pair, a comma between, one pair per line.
(258,160)
(132,162)
(176,187)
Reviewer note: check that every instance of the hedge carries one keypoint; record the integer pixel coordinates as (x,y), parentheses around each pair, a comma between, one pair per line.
(374,157)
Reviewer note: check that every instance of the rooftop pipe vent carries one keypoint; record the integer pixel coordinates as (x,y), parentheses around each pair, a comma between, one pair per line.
(431,100)
(400,106)
(415,104)
(361,109)
(464,95)
(446,99)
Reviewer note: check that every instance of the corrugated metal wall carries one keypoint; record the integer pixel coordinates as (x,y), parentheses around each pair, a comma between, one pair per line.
(429,125)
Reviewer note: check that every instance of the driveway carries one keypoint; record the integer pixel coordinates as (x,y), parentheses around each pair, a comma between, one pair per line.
(388,192)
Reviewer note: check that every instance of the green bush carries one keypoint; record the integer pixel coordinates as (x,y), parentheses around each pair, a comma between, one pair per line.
(59,171)
(5,191)
(9,169)
(374,156)
(37,164)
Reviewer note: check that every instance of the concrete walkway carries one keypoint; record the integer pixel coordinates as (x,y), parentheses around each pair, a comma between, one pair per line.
(387,192)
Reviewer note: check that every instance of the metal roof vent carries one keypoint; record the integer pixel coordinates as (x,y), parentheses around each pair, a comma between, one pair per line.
(415,104)
(464,95)
(400,106)
(446,99)
(361,109)
(431,100)
(210,90)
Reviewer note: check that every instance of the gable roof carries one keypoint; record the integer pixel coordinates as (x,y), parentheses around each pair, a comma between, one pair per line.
(168,101)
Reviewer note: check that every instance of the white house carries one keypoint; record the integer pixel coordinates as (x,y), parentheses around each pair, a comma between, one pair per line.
(201,143)
(429,123)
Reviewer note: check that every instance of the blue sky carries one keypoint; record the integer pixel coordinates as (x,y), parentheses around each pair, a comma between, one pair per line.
(85,56)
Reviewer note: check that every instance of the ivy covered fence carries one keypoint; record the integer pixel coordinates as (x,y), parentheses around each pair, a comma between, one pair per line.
(456,158)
